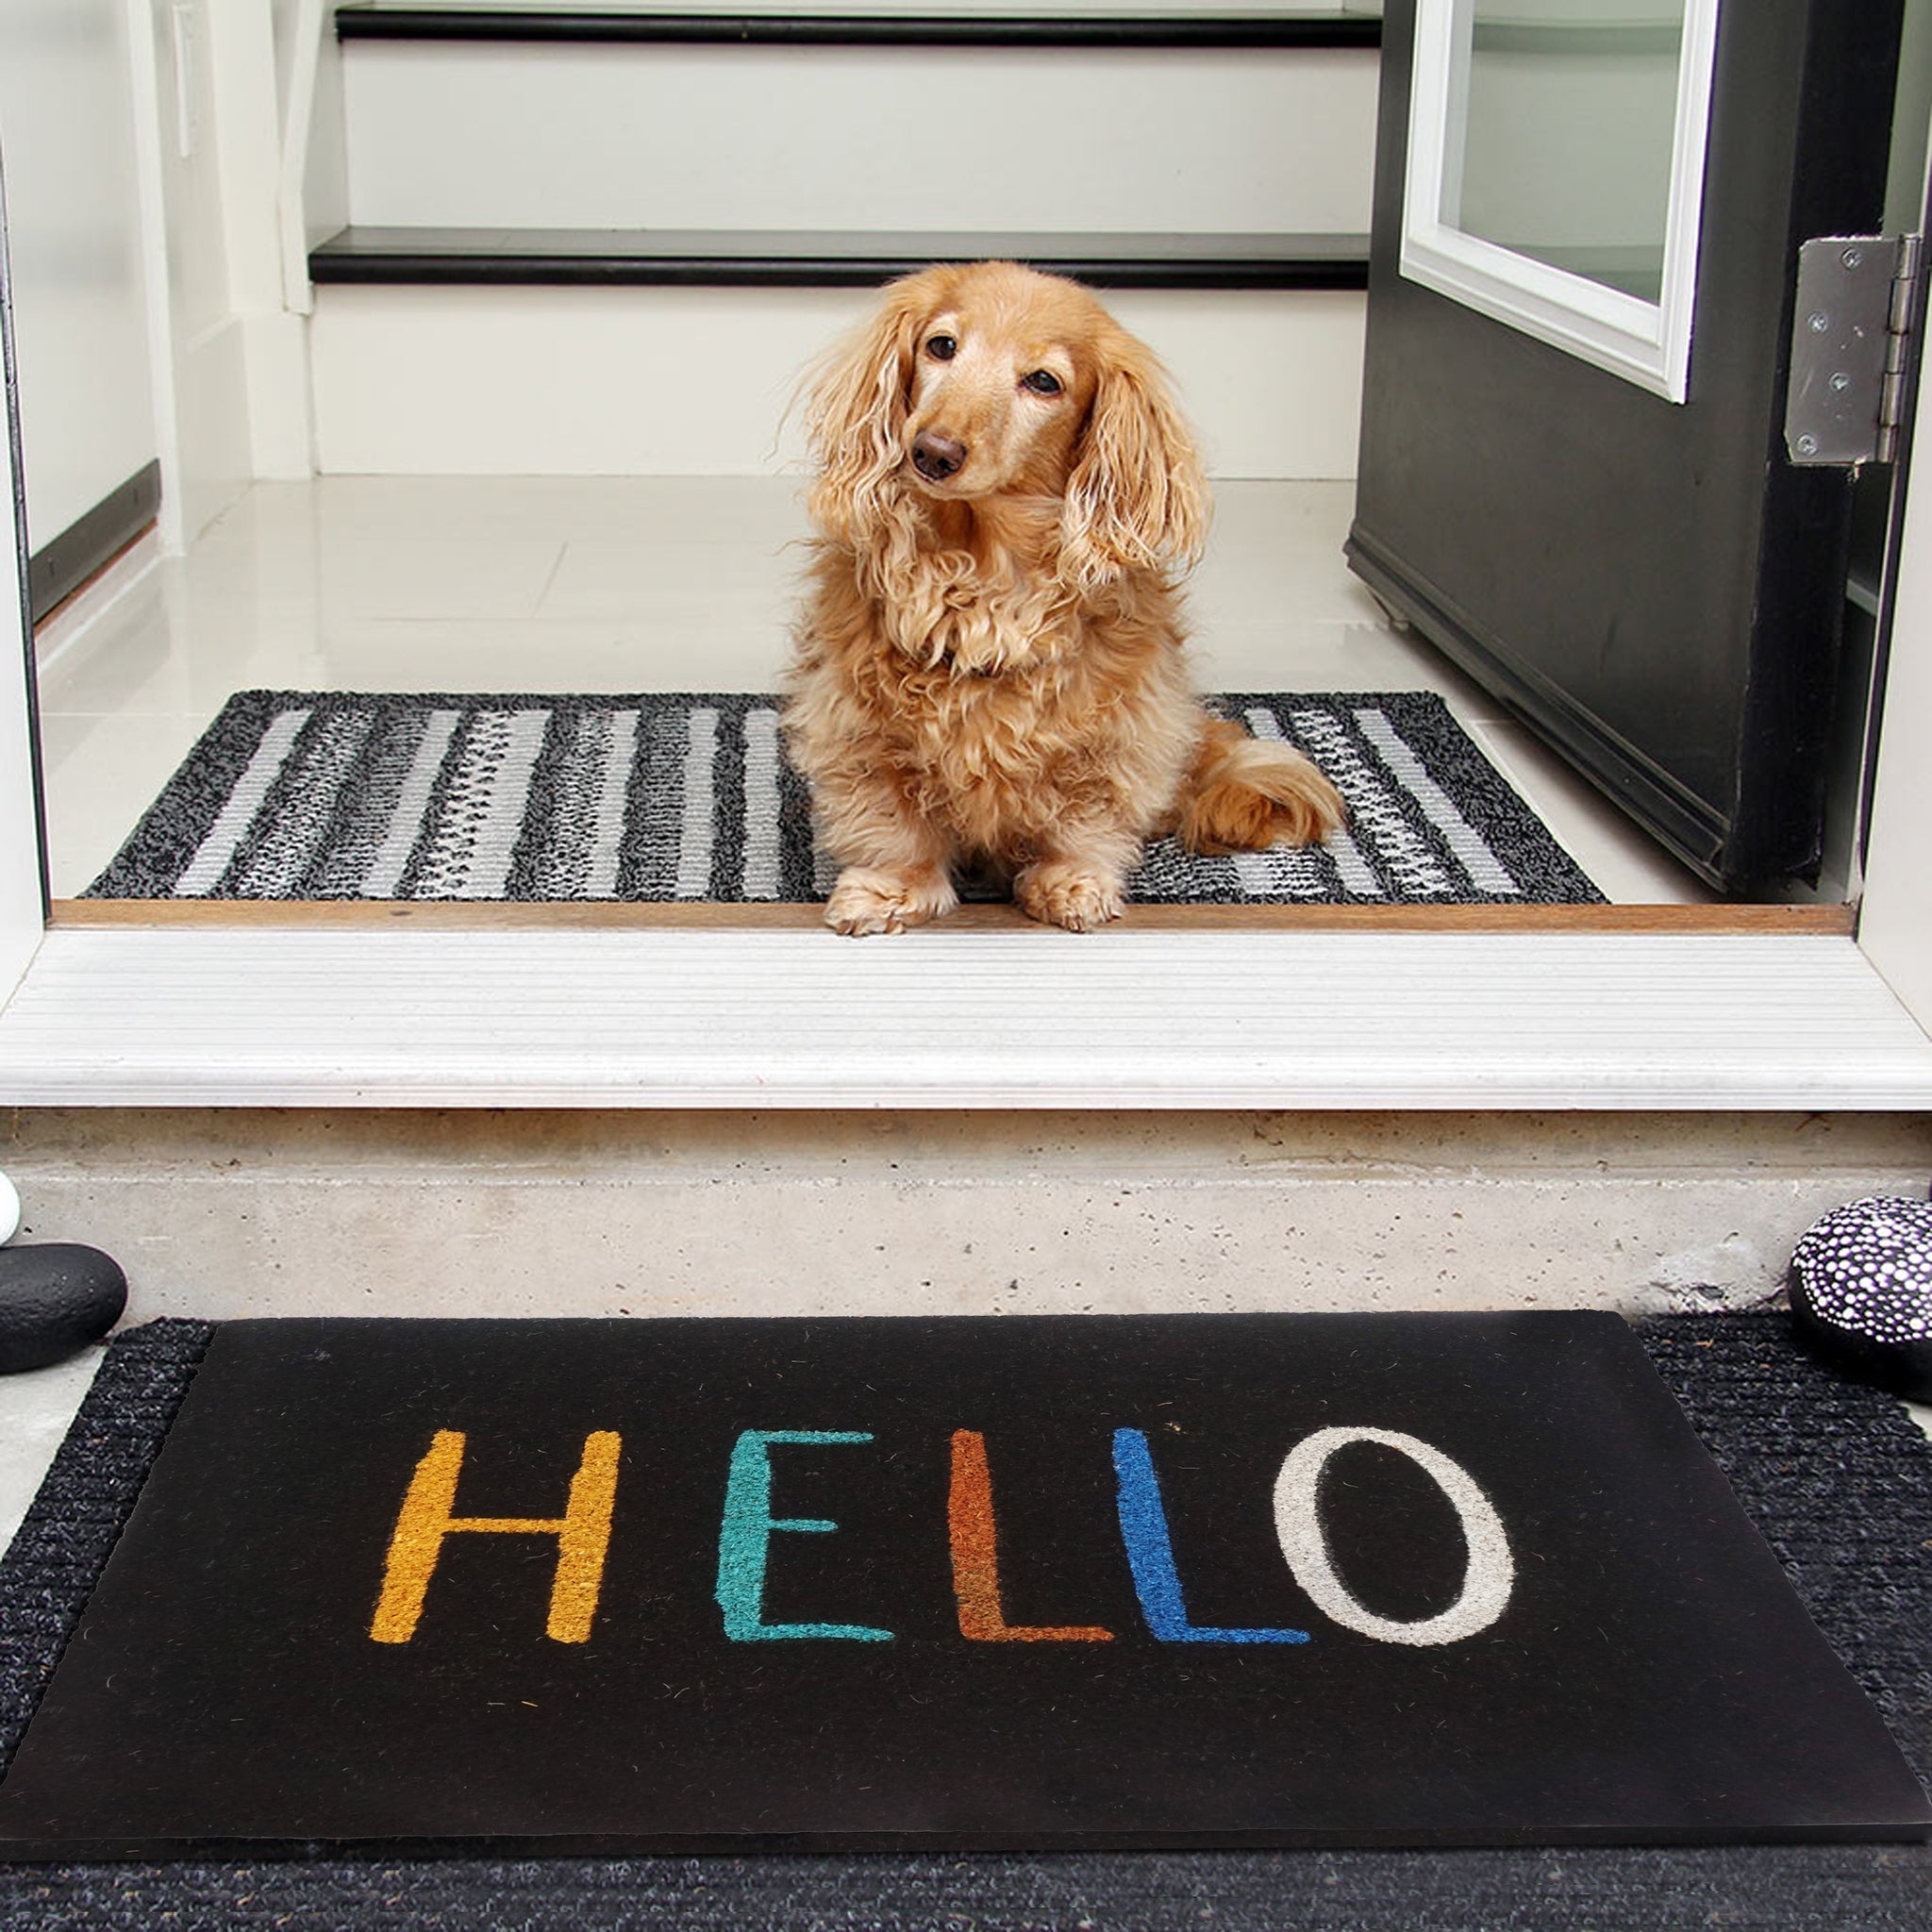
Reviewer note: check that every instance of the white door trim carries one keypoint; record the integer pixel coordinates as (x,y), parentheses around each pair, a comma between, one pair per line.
(23,903)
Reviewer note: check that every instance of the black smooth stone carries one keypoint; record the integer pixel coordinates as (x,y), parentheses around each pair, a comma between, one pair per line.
(54,1298)
(1861,1293)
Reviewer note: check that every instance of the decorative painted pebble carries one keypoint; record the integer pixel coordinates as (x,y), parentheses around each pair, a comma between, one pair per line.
(1861,1293)
(54,1298)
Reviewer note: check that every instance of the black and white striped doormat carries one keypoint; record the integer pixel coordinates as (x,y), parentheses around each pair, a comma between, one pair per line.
(689,796)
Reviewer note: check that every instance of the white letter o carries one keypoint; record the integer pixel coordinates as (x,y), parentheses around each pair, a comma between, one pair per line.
(1486,1582)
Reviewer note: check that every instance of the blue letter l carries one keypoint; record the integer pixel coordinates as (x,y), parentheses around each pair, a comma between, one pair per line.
(1150,1554)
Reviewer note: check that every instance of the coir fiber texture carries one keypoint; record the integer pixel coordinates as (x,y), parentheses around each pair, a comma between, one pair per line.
(689,797)
(1835,1475)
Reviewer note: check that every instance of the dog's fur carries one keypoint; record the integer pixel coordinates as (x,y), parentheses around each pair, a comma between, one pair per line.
(989,672)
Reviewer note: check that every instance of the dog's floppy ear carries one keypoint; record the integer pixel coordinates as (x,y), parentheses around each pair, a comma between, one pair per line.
(856,410)
(1136,499)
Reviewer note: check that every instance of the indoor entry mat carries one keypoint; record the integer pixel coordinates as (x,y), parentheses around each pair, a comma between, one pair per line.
(1027,1582)
(689,796)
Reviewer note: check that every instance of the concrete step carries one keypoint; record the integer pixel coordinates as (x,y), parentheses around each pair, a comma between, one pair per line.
(231,1213)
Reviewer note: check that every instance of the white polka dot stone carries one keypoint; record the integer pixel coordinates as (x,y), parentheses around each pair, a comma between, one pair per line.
(1861,1291)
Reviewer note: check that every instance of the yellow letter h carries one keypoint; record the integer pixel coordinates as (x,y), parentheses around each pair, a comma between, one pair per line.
(582,1533)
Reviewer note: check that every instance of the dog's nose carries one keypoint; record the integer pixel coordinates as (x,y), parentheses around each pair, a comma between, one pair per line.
(937,456)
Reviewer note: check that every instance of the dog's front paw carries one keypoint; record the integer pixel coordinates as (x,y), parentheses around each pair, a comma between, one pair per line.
(864,902)
(1072,896)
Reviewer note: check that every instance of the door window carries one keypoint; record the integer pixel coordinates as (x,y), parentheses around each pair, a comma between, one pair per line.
(1555,164)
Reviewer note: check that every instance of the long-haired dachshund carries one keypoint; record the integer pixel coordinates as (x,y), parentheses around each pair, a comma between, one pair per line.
(989,673)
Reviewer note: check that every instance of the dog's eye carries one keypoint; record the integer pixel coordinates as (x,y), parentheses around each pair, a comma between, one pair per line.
(1043,383)
(941,348)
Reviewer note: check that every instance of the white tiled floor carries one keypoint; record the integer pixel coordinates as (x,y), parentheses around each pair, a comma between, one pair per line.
(556,584)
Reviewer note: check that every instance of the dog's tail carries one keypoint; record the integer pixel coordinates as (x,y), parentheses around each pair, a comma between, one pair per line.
(1247,793)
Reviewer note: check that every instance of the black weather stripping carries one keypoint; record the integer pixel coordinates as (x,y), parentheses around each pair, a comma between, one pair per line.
(637,26)
(783,258)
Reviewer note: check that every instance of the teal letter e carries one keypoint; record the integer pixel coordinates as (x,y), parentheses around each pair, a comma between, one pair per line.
(744,1538)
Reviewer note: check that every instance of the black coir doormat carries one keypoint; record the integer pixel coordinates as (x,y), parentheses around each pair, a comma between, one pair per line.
(688,796)
(974,1584)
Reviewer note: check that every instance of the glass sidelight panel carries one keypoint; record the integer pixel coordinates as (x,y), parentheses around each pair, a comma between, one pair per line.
(1556,162)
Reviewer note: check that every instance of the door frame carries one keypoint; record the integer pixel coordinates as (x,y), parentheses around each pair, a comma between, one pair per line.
(1644,1018)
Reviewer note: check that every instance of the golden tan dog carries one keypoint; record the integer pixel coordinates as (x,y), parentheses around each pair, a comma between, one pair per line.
(989,672)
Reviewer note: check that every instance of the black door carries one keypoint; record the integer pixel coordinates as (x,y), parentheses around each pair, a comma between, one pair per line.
(1653,585)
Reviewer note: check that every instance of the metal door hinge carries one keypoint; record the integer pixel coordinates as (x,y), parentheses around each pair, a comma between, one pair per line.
(1850,337)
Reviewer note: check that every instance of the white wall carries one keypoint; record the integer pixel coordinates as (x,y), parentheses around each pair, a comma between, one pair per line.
(203,398)
(248,80)
(139,139)
(284,17)
(86,397)
(206,113)
(313,165)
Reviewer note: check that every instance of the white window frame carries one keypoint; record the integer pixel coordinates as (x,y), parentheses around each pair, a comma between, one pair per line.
(1645,343)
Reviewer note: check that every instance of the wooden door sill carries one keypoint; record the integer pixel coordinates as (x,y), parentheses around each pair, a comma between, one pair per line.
(309,915)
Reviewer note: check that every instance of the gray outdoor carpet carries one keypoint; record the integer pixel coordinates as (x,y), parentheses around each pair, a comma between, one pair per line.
(688,797)
(1835,1475)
